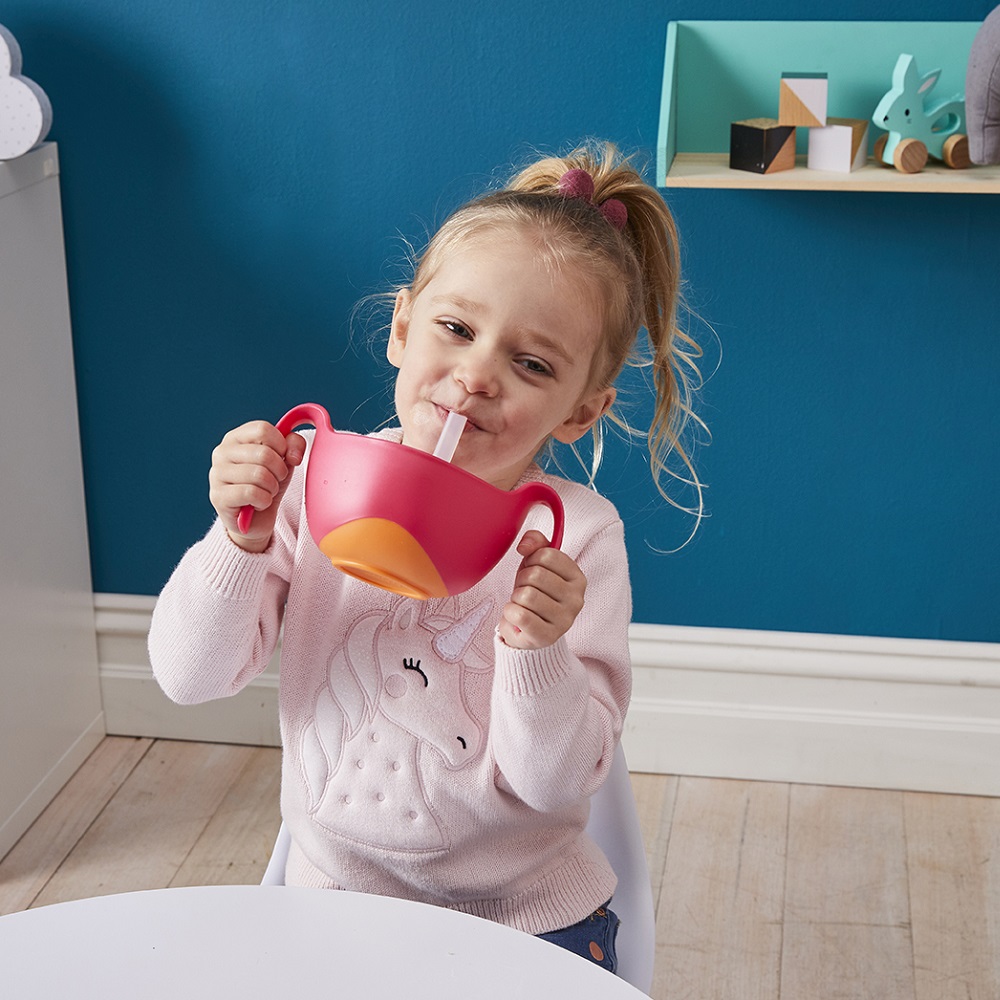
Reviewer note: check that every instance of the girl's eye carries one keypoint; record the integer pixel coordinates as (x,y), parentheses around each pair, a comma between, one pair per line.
(535,366)
(456,329)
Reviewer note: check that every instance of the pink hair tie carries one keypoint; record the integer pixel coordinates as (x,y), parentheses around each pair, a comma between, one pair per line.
(615,212)
(579,184)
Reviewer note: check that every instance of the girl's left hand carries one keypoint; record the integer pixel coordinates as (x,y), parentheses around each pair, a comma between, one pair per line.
(548,595)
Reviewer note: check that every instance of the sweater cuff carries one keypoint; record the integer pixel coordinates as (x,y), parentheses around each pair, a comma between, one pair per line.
(526,672)
(235,573)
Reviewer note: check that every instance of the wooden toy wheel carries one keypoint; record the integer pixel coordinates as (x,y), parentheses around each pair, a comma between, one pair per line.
(956,152)
(910,156)
(880,149)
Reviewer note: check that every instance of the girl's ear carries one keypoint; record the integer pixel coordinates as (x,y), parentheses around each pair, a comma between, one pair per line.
(587,412)
(400,327)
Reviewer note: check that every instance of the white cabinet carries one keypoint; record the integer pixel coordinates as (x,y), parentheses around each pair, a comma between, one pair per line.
(50,702)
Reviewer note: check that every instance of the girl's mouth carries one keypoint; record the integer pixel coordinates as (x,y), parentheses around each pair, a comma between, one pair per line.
(470,424)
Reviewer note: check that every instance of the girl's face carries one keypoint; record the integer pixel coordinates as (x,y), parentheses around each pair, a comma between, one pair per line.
(505,340)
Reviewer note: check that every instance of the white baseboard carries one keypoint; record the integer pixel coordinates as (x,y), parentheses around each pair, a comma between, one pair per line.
(864,711)
(134,705)
(777,706)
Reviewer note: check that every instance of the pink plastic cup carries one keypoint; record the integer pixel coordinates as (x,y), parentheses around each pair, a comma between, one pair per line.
(404,520)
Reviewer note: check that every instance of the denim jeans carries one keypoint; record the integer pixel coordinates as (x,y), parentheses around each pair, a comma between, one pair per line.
(593,938)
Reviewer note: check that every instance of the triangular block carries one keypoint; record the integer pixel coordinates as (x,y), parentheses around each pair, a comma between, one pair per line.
(784,158)
(802,99)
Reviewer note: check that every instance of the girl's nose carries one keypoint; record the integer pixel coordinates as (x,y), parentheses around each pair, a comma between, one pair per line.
(478,374)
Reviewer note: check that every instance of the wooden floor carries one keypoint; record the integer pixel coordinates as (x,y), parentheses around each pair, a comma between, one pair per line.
(763,891)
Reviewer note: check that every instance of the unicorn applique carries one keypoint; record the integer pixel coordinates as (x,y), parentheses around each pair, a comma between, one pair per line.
(395,693)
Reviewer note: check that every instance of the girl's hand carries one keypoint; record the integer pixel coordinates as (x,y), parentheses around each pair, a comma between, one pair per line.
(253,465)
(548,595)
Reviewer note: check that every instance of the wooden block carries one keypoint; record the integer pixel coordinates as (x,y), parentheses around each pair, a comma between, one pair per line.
(841,145)
(761,146)
(802,99)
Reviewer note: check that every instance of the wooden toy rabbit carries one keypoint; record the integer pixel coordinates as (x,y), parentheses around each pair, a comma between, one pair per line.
(915,130)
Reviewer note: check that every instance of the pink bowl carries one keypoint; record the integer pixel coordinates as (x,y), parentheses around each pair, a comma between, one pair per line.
(404,520)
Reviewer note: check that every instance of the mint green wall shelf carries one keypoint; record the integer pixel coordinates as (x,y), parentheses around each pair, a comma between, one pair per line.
(717,72)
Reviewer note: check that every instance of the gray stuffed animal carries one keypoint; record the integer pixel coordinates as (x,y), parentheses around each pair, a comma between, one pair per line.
(982,92)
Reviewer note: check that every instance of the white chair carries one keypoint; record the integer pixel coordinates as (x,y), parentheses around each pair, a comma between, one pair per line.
(274,873)
(614,827)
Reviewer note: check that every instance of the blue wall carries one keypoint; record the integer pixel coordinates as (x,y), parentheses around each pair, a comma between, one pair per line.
(236,174)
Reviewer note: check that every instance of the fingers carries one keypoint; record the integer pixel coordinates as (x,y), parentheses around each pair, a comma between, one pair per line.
(252,466)
(531,542)
(548,595)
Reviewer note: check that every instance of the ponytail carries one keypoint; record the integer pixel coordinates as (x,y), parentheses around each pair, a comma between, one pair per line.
(647,255)
(635,261)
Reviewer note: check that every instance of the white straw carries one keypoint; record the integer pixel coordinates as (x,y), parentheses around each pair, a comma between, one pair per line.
(448,441)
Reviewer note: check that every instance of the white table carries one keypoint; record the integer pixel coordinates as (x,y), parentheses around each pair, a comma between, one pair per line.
(251,942)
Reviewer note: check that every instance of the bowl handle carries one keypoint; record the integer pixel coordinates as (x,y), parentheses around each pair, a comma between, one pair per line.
(541,493)
(304,413)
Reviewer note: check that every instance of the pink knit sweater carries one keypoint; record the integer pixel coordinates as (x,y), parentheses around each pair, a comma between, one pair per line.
(423,758)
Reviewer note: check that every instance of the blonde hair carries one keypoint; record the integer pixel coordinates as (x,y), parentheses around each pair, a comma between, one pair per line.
(637,268)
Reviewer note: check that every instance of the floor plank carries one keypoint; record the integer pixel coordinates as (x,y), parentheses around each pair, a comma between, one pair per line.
(846,919)
(953,850)
(145,833)
(718,928)
(235,846)
(654,799)
(33,860)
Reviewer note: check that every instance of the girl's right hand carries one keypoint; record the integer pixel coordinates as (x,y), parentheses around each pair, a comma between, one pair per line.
(253,465)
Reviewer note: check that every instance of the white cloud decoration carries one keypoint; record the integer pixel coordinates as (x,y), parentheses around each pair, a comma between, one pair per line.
(25,110)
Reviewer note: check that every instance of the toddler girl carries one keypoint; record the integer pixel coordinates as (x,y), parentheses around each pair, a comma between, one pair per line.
(445,751)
